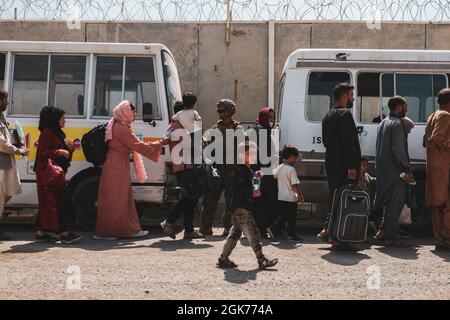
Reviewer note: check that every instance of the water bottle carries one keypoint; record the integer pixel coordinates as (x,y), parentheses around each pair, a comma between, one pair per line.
(256,183)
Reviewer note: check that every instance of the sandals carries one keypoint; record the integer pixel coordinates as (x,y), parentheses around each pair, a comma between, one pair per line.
(266,263)
(324,237)
(225,264)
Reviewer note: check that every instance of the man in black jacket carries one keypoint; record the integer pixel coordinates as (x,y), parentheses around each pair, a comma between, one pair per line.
(340,137)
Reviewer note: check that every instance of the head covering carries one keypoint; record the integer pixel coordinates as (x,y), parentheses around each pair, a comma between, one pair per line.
(408,124)
(49,119)
(263,117)
(227,105)
(123,114)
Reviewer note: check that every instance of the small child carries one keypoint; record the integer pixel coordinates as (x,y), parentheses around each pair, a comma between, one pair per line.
(188,116)
(242,204)
(365,179)
(365,183)
(289,193)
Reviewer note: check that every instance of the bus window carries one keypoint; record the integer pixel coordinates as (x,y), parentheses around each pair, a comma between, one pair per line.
(420,90)
(2,70)
(320,96)
(108,85)
(387,92)
(140,85)
(171,81)
(368,99)
(29,84)
(67,83)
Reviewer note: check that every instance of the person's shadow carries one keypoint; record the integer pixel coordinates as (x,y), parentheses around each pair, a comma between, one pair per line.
(174,245)
(444,255)
(87,243)
(345,258)
(403,252)
(237,276)
(84,244)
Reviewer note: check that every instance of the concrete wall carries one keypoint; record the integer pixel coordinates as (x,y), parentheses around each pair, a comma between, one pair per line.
(239,70)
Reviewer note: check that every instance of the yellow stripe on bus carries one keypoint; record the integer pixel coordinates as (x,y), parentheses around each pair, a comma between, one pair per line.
(72,133)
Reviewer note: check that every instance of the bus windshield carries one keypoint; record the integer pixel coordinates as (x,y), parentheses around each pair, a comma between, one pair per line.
(171,81)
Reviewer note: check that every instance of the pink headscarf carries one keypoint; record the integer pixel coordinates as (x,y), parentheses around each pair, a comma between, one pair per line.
(123,114)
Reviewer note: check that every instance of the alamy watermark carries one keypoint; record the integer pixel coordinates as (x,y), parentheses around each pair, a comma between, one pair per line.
(373,277)
(73,281)
(220,146)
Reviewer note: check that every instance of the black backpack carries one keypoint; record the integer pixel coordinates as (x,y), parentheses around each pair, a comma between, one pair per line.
(94,145)
(199,181)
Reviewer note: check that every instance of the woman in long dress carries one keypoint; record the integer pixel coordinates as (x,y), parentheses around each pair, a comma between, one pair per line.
(55,211)
(117,216)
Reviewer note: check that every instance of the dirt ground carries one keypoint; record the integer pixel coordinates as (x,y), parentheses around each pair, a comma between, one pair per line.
(160,268)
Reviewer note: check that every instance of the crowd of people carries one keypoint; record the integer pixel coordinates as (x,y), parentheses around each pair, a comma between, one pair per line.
(393,171)
(257,205)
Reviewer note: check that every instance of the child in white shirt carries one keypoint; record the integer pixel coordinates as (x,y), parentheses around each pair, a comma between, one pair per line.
(188,116)
(289,193)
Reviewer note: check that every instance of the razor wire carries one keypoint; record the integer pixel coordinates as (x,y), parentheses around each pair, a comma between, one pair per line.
(216,10)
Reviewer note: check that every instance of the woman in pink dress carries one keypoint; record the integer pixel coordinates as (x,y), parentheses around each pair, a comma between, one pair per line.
(116,213)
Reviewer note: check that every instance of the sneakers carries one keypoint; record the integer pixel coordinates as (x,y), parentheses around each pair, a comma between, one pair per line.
(168,229)
(71,237)
(45,238)
(225,264)
(140,234)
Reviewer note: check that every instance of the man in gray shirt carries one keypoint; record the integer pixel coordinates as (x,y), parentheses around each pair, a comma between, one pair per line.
(393,169)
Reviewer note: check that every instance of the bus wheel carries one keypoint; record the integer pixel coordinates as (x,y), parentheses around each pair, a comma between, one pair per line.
(85,197)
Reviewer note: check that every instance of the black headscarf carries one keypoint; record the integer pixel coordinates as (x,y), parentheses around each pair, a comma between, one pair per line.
(49,118)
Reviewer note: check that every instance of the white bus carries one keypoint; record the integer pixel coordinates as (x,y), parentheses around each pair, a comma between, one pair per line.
(306,94)
(88,80)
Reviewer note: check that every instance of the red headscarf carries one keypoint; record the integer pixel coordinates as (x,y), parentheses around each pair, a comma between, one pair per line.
(263,117)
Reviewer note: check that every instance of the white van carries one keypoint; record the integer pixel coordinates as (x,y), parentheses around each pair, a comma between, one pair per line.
(88,80)
(306,94)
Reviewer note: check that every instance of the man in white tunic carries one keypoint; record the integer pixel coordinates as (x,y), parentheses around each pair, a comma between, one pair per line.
(9,177)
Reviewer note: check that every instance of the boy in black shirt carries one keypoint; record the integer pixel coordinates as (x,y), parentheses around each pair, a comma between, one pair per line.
(242,206)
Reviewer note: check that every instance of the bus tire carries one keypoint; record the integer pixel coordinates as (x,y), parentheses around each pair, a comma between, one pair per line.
(85,197)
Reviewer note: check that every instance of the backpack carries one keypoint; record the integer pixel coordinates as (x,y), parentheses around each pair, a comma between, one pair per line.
(199,181)
(94,145)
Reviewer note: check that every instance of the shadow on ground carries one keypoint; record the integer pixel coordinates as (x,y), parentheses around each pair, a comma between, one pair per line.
(237,276)
(344,258)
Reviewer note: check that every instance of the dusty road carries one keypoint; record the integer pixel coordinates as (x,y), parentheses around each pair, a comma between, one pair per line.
(161,268)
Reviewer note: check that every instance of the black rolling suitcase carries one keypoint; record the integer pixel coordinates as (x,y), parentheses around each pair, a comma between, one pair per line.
(349,214)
